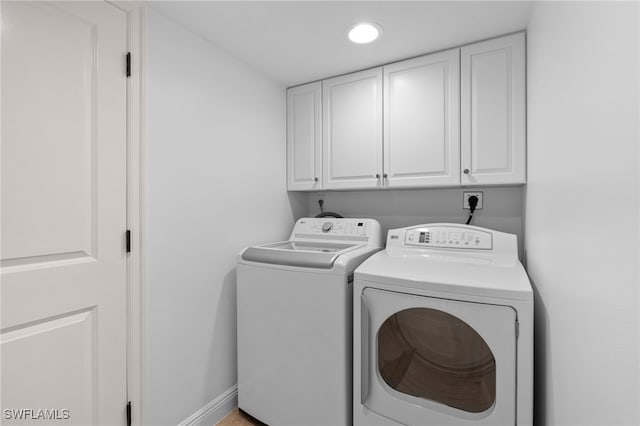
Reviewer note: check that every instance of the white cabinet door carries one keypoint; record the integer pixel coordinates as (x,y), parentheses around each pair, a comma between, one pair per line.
(64,158)
(304,137)
(352,130)
(421,121)
(493,111)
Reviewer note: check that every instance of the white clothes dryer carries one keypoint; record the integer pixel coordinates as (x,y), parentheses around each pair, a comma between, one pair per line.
(443,330)
(295,322)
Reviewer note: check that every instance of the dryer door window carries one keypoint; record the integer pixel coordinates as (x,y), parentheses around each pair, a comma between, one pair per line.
(431,354)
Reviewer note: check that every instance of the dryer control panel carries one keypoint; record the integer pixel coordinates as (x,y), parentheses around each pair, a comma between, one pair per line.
(449,237)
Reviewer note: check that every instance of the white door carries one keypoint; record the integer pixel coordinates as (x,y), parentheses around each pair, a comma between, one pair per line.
(493,111)
(352,130)
(304,137)
(438,361)
(422,120)
(63,336)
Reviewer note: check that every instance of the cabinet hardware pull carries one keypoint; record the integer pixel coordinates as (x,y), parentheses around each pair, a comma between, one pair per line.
(377,175)
(315,179)
(385,175)
(466,171)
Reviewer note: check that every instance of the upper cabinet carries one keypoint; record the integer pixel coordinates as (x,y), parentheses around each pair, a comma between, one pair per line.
(421,121)
(493,111)
(451,118)
(352,130)
(304,137)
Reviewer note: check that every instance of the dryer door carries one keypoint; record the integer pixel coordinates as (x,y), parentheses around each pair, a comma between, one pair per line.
(438,361)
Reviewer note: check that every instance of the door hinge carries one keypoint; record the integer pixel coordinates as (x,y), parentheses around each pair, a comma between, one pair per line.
(129,413)
(517,329)
(128,64)
(128,240)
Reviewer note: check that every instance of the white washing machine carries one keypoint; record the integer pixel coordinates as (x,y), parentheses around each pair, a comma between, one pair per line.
(295,322)
(443,330)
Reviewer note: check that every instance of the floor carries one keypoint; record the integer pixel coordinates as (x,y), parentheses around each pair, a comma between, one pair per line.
(239,418)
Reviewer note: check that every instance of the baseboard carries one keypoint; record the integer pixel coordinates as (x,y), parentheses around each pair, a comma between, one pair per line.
(214,411)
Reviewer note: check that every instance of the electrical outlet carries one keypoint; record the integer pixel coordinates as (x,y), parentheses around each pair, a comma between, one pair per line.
(465,199)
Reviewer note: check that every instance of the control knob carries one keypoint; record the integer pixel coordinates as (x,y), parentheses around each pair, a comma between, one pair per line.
(327,226)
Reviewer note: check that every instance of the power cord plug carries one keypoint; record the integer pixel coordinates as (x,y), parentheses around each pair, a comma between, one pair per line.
(473,203)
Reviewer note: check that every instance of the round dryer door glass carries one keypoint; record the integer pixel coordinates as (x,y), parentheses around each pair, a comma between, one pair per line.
(431,354)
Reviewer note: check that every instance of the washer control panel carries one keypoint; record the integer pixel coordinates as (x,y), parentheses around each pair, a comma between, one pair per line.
(449,237)
(333,227)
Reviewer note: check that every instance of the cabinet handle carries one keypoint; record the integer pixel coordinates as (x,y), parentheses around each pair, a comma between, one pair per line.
(377,175)
(315,179)
(466,171)
(385,175)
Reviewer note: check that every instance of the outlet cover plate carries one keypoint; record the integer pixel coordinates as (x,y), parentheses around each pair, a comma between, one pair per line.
(465,199)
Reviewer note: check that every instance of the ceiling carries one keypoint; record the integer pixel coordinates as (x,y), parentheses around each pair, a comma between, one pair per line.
(296,42)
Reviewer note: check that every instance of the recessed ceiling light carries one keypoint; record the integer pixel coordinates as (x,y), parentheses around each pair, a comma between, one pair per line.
(364,33)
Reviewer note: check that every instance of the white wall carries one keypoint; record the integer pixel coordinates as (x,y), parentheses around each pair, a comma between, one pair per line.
(582,218)
(215,182)
(502,208)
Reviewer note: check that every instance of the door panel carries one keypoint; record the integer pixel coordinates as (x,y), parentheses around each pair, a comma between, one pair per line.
(490,128)
(304,137)
(52,165)
(63,260)
(69,366)
(493,111)
(438,361)
(421,121)
(352,132)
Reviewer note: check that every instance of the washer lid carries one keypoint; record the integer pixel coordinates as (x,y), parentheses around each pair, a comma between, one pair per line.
(298,253)
(449,273)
